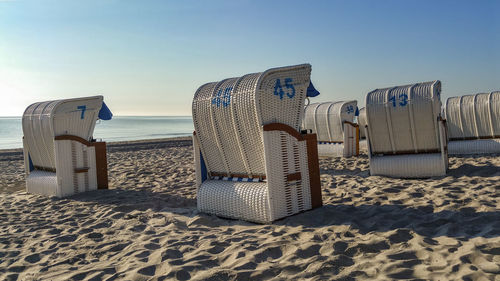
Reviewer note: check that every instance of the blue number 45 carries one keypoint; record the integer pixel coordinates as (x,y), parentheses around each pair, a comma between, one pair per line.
(219,98)
(278,89)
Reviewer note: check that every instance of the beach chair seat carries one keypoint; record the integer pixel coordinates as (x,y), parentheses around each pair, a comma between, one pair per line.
(252,163)
(333,123)
(60,156)
(473,123)
(405,132)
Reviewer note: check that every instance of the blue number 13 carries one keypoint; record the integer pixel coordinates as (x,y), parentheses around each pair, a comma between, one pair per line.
(403,100)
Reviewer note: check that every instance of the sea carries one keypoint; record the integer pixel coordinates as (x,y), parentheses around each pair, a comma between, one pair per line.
(120,128)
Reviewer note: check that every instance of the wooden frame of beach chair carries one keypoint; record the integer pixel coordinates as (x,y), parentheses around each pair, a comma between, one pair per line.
(333,123)
(251,161)
(60,157)
(405,132)
(473,123)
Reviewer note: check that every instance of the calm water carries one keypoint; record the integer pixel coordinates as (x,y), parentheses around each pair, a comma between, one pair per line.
(116,129)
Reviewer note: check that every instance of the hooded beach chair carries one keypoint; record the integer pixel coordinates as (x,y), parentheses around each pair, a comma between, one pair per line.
(333,123)
(406,134)
(60,156)
(252,163)
(473,123)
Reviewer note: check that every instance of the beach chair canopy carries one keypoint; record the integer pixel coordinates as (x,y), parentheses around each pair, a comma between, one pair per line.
(42,121)
(228,116)
(327,119)
(251,160)
(473,116)
(60,156)
(362,122)
(404,119)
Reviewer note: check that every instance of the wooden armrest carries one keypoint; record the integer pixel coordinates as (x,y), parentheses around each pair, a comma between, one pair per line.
(283,128)
(294,177)
(81,170)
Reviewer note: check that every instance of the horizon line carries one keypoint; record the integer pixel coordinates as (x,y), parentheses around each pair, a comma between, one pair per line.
(121,115)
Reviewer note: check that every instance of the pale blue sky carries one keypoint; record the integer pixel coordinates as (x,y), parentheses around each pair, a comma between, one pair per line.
(149,57)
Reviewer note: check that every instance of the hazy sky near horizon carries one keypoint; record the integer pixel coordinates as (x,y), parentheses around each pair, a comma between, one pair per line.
(149,57)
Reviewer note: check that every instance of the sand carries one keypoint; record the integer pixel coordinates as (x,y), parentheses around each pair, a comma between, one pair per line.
(146,227)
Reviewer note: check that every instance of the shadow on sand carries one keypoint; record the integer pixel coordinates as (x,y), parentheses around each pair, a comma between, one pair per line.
(464,223)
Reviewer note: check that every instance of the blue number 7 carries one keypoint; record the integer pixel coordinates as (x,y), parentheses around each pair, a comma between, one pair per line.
(82,108)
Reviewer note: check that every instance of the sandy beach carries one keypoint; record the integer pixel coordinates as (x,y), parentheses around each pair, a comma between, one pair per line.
(146,226)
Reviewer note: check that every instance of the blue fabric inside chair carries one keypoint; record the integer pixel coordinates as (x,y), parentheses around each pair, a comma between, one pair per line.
(105,113)
(311,91)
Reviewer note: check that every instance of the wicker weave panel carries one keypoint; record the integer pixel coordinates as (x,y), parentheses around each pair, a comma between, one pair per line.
(288,109)
(238,200)
(473,116)
(43,183)
(72,155)
(408,166)
(245,116)
(44,120)
(226,128)
(331,150)
(228,116)
(286,156)
(326,119)
(351,140)
(484,146)
(308,122)
(205,128)
(404,118)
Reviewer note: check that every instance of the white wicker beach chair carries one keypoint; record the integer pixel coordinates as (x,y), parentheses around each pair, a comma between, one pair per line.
(60,156)
(251,161)
(473,123)
(333,123)
(406,134)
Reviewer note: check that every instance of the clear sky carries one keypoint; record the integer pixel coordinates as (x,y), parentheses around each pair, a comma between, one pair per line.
(149,57)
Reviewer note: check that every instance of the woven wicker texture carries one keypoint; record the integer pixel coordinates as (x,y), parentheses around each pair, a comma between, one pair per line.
(248,200)
(362,123)
(483,146)
(406,121)
(408,166)
(330,149)
(351,139)
(41,182)
(286,156)
(327,119)
(349,147)
(473,116)
(73,164)
(43,121)
(404,118)
(229,117)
